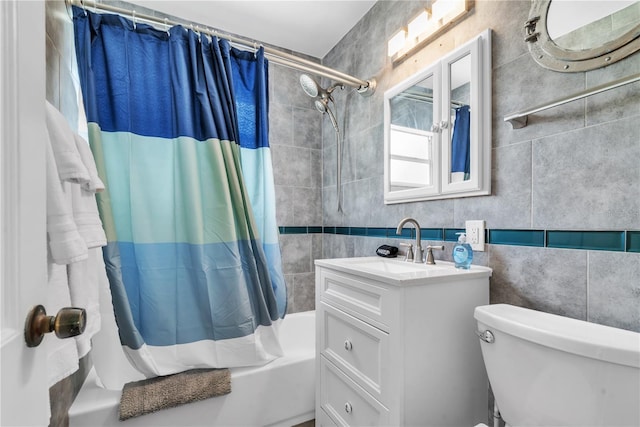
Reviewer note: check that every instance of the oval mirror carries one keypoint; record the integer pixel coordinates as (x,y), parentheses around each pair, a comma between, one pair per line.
(581,35)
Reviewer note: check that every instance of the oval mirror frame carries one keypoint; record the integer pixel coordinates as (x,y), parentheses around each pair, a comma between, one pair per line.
(551,56)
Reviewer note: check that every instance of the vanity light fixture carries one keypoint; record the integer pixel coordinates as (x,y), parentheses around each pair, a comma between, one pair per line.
(397,42)
(426,26)
(419,25)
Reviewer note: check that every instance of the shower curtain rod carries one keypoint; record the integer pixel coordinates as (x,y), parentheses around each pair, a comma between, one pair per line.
(363,87)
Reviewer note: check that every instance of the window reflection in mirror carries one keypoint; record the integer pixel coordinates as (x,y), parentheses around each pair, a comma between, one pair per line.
(460,98)
(411,140)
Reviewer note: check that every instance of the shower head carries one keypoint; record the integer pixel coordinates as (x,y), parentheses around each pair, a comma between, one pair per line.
(310,86)
(314,90)
(322,96)
(322,105)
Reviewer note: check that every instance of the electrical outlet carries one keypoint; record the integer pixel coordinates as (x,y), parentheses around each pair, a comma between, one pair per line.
(475,234)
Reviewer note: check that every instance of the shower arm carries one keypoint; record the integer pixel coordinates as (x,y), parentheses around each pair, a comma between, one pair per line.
(363,87)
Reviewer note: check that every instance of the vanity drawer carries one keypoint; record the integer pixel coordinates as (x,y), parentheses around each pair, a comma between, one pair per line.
(357,348)
(369,302)
(324,420)
(346,402)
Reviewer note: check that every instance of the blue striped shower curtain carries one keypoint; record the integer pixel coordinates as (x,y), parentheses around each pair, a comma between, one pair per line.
(178,128)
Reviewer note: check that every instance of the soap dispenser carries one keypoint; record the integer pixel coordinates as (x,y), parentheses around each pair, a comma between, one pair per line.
(462,252)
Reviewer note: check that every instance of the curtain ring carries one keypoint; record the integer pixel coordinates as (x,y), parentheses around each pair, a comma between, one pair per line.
(84,8)
(197,30)
(255,50)
(135,26)
(167,26)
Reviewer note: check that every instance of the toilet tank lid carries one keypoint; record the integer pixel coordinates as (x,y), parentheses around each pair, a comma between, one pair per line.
(563,333)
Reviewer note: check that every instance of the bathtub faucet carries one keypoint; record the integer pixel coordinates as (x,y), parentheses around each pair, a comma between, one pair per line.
(417,257)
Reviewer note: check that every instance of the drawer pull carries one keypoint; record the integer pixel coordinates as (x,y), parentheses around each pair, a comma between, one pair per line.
(347,345)
(348,408)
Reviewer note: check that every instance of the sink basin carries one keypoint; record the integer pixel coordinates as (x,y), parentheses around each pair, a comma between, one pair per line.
(400,272)
(393,266)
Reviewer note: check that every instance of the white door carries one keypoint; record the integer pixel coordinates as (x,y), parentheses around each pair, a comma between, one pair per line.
(23,254)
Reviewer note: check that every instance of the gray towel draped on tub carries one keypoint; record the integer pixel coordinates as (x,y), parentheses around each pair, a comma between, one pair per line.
(150,395)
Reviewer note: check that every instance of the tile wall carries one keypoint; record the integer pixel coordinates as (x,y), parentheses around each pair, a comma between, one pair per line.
(574,167)
(295,137)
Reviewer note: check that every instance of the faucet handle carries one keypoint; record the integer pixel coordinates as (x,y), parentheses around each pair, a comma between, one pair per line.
(430,259)
(409,255)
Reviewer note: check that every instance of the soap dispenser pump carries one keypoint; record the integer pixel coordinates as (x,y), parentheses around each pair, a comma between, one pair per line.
(462,252)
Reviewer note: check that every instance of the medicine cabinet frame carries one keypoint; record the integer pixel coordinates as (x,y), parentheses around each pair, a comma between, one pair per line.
(439,182)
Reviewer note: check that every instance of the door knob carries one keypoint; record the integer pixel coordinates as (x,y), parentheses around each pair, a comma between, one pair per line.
(69,322)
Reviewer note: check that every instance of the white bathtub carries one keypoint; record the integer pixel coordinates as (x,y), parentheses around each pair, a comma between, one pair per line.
(280,393)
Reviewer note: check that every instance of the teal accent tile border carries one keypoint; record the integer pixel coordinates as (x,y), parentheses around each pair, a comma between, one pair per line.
(517,237)
(596,240)
(619,241)
(633,241)
(294,230)
(407,233)
(431,234)
(377,232)
(450,234)
(358,231)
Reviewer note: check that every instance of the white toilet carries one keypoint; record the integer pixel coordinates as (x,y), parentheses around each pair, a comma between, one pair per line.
(549,370)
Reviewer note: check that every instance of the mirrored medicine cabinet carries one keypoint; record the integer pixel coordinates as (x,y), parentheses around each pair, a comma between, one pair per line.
(437,126)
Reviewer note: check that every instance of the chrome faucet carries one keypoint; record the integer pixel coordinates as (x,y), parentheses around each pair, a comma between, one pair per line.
(418,251)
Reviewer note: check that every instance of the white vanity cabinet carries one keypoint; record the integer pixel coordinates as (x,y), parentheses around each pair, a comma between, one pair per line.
(396,347)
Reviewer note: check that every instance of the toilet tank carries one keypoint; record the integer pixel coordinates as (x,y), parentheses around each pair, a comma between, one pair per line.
(549,370)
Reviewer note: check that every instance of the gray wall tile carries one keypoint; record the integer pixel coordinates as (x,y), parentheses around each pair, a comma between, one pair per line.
(307,129)
(550,280)
(284,205)
(593,142)
(617,103)
(509,205)
(304,292)
(588,178)
(293,166)
(522,84)
(338,246)
(296,253)
(307,209)
(614,289)
(369,149)
(280,123)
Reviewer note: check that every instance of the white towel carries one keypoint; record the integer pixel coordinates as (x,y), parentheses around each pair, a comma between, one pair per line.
(68,160)
(85,209)
(65,243)
(75,237)
(83,287)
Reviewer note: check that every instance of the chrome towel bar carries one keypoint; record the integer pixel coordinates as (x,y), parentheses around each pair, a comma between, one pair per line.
(519,120)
